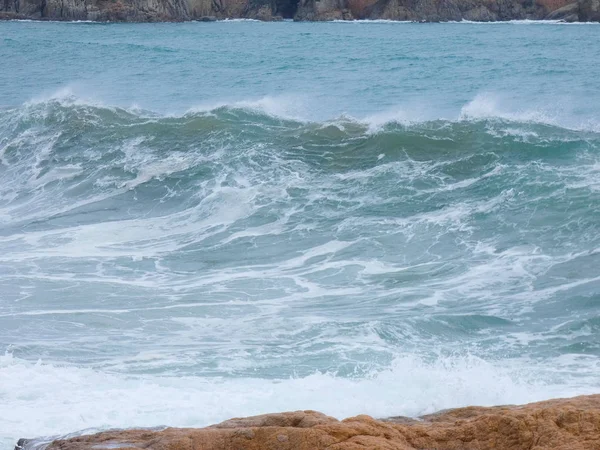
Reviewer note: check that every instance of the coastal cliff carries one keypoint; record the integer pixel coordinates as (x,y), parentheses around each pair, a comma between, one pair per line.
(310,10)
(565,424)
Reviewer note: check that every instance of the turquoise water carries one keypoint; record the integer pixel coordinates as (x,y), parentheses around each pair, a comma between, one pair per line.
(200,221)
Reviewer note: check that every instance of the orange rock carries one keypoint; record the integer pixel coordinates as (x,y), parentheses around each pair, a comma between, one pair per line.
(565,424)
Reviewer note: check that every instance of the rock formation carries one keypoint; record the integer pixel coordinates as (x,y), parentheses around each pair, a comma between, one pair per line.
(208,10)
(136,10)
(589,11)
(566,424)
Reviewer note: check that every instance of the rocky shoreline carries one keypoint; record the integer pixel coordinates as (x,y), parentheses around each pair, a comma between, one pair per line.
(562,424)
(301,10)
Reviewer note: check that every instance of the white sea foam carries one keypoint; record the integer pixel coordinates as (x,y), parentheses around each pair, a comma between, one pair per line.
(486,105)
(66,22)
(71,94)
(287,106)
(310,243)
(372,21)
(493,105)
(43,400)
(241,20)
(402,116)
(489,106)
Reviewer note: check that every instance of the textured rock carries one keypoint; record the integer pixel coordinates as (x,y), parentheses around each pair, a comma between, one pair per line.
(320,10)
(589,10)
(136,10)
(568,13)
(456,10)
(566,424)
(313,10)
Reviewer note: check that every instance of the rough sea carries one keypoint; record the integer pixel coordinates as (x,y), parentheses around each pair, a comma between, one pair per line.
(207,220)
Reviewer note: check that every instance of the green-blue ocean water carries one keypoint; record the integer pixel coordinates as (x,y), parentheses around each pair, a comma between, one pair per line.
(207,220)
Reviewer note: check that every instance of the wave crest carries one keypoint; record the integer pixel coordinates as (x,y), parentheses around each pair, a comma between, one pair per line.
(66,105)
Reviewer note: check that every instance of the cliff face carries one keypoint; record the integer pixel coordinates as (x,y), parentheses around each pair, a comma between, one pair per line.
(589,11)
(477,10)
(568,424)
(415,10)
(136,10)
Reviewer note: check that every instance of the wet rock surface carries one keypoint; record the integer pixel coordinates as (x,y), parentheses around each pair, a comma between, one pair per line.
(563,424)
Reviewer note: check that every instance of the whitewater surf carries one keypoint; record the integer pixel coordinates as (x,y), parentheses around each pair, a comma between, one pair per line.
(392,237)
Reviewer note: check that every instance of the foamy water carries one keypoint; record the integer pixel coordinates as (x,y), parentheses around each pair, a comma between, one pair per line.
(201,234)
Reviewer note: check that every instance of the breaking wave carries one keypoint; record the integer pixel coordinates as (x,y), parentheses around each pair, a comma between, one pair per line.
(51,400)
(240,258)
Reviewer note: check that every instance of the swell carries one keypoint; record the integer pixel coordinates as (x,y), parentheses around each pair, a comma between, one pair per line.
(70,119)
(429,211)
(63,160)
(62,157)
(256,256)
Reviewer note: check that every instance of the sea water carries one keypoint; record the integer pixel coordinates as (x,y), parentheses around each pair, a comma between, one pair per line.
(207,220)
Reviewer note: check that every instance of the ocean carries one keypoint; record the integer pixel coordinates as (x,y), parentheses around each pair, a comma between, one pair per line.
(201,221)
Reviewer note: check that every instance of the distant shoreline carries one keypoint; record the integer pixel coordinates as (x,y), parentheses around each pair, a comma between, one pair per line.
(242,19)
(426,11)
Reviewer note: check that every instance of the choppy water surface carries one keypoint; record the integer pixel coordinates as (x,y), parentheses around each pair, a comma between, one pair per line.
(200,221)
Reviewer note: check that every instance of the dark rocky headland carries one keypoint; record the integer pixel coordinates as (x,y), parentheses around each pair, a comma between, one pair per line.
(309,10)
(564,424)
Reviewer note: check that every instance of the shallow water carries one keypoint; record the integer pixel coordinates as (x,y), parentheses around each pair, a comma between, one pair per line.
(200,221)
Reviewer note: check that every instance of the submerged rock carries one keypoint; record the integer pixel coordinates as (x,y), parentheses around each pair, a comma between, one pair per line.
(565,424)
